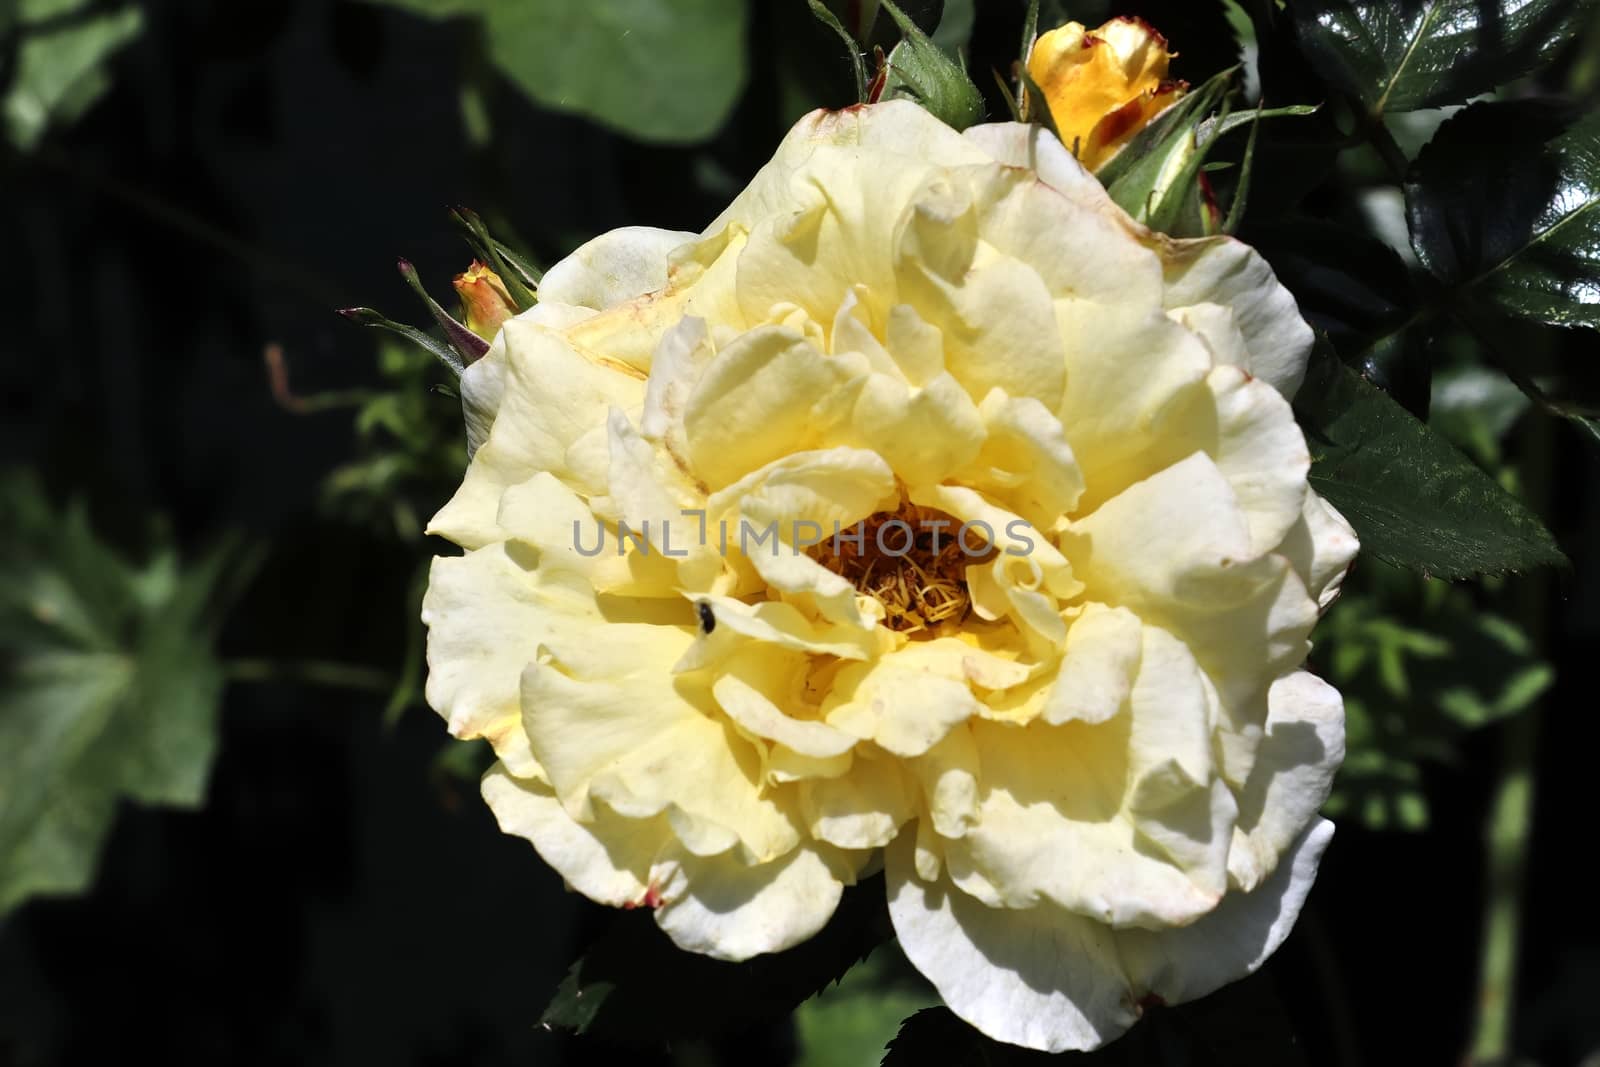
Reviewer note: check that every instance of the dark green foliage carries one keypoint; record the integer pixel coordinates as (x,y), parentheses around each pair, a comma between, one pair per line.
(1399,55)
(634,986)
(109,689)
(1413,497)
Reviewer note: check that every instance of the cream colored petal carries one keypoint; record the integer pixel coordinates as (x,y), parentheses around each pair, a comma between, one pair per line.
(724,909)
(907,700)
(699,280)
(678,359)
(853,331)
(1037,149)
(1028,220)
(1222,270)
(1321,547)
(757,402)
(916,346)
(826,487)
(653,502)
(629,733)
(923,434)
(949,774)
(487,612)
(836,229)
(1098,667)
(609,860)
(811,586)
(757,715)
(706,275)
(553,396)
(483,383)
(1025,463)
(1292,776)
(1261,452)
(777,623)
(1249,431)
(1215,325)
(997,319)
(1175,549)
(799,501)
(862,809)
(1010,587)
(897,129)
(1174,543)
(1128,368)
(546,514)
(785,765)
(1119,821)
(612,268)
(1235,939)
(1039,977)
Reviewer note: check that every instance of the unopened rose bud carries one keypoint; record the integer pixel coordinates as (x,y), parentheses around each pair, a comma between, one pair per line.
(485,303)
(1103,86)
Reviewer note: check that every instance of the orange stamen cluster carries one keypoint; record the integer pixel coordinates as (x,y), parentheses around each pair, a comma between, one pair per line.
(921,586)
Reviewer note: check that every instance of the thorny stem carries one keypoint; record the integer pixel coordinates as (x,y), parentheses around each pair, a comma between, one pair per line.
(1388,149)
(1510,820)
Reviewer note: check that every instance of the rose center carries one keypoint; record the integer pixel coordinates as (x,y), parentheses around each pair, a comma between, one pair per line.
(913,561)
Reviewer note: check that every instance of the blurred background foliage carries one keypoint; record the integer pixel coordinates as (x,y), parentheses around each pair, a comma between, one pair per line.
(229,829)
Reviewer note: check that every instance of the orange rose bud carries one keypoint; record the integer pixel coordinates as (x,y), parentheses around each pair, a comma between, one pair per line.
(1103,86)
(485,303)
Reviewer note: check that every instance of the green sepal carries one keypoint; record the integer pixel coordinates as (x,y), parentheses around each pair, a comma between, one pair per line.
(857,64)
(1036,109)
(919,70)
(468,345)
(376,319)
(1156,176)
(517,274)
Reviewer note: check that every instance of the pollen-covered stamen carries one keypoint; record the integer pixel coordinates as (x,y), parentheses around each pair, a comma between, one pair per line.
(913,561)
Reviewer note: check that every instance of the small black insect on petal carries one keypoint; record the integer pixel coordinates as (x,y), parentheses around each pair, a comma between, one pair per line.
(708,620)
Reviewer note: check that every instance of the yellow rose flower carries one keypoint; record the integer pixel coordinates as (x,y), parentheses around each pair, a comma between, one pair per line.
(485,304)
(1079,744)
(1103,86)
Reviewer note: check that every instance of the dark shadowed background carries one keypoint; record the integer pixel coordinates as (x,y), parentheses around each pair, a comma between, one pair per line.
(342,896)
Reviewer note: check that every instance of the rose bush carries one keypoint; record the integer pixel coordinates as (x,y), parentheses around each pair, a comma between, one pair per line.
(1083,753)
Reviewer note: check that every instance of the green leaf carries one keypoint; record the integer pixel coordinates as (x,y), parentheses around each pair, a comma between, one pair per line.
(920,71)
(60,66)
(653,70)
(1420,664)
(956,23)
(108,689)
(1475,407)
(936,1036)
(634,986)
(1504,207)
(848,1024)
(1415,500)
(1357,290)
(1401,55)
